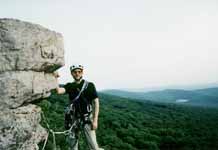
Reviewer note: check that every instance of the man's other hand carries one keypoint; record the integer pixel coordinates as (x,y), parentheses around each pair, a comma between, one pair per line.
(56,74)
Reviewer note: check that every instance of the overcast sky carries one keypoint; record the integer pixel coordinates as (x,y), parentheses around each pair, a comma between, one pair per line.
(130,43)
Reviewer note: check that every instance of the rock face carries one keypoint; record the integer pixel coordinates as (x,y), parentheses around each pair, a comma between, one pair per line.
(29,54)
(20,128)
(25,46)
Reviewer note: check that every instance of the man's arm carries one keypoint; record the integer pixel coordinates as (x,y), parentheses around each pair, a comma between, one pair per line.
(96,112)
(59,90)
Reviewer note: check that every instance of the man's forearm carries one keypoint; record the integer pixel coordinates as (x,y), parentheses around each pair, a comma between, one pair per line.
(58,89)
(96,112)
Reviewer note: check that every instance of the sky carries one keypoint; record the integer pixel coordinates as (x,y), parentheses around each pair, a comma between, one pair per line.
(130,43)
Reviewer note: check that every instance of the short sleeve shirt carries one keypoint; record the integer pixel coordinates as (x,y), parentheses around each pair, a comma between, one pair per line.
(73,89)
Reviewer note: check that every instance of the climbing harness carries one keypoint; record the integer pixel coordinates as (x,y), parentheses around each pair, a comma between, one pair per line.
(70,109)
(76,124)
(85,85)
(76,110)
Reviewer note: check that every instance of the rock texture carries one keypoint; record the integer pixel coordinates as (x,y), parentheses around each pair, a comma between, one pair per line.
(29,54)
(20,128)
(19,87)
(25,46)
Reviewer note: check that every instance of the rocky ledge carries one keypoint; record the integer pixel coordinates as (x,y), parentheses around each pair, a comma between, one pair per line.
(29,54)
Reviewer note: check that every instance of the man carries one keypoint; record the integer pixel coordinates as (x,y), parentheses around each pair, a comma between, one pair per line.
(81,104)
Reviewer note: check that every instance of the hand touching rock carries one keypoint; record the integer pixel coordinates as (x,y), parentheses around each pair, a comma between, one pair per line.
(56,74)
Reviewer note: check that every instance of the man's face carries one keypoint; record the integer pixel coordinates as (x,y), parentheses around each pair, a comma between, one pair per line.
(77,74)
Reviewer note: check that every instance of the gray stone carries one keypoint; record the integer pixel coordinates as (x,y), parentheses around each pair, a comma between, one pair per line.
(20,128)
(27,46)
(29,54)
(19,87)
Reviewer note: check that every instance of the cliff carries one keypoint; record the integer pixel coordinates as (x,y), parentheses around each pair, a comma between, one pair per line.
(29,54)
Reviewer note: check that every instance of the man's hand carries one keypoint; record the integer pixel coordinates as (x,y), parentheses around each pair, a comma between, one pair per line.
(59,90)
(56,74)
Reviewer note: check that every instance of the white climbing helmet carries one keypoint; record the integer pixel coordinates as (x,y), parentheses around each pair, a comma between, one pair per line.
(76,66)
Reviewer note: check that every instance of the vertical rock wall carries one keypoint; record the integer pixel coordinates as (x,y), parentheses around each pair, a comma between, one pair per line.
(29,53)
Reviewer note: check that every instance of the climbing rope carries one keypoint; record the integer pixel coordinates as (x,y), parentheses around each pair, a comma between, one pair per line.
(66,132)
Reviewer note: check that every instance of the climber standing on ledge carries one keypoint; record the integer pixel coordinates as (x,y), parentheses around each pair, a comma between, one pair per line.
(82,95)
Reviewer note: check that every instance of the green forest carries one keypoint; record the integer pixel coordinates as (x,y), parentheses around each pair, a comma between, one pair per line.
(129,124)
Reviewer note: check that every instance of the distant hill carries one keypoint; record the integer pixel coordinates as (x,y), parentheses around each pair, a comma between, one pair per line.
(179,87)
(208,91)
(202,97)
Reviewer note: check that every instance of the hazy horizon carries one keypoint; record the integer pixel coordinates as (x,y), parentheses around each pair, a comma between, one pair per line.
(167,87)
(128,43)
